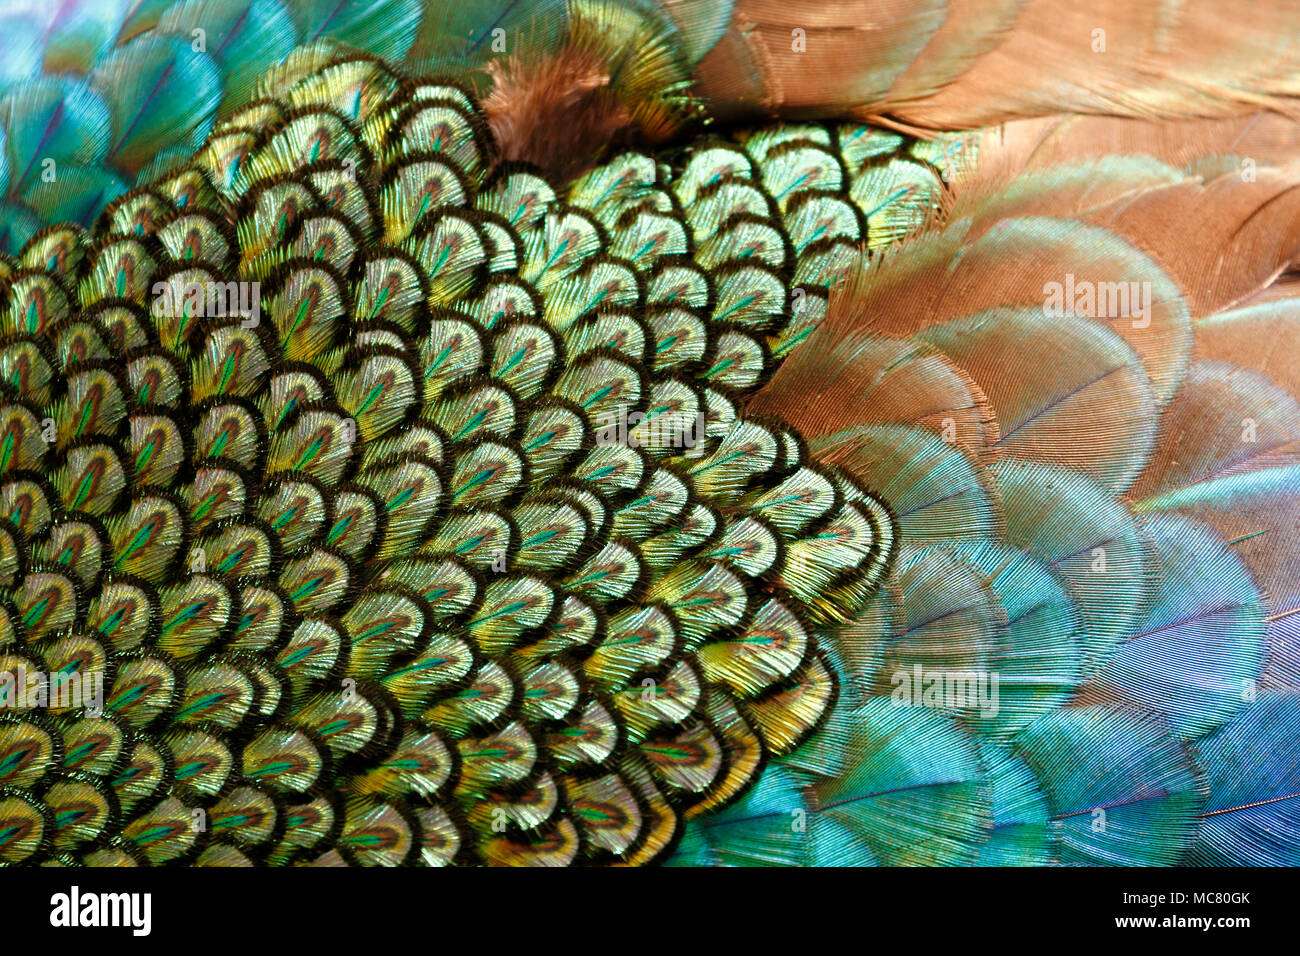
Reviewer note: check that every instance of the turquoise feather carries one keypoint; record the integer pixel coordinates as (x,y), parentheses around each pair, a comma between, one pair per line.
(1020,814)
(57,119)
(1196,653)
(1120,790)
(398,476)
(241,38)
(163,92)
(1251,816)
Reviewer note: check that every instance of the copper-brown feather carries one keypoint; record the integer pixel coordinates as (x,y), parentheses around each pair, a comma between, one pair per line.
(1221,237)
(971,63)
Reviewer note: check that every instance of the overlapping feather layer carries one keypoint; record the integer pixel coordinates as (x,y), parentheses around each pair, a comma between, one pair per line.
(405,505)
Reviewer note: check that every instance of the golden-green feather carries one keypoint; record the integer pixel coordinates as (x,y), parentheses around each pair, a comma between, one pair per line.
(591,432)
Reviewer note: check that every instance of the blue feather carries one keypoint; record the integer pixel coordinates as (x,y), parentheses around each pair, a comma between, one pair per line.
(1196,654)
(1253,764)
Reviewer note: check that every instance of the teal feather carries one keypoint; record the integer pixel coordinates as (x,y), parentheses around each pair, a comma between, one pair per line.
(241,37)
(21,48)
(378,544)
(82,32)
(1072,524)
(937,492)
(17,225)
(1120,790)
(57,119)
(766,827)
(1020,815)
(1251,817)
(702,23)
(1038,658)
(76,194)
(1196,653)
(464,33)
(386,29)
(160,92)
(912,788)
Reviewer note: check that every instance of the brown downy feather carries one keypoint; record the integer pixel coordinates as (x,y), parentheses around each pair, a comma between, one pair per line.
(557,112)
(616,81)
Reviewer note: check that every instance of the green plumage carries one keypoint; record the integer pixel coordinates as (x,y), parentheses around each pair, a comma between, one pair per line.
(453,508)
(388,502)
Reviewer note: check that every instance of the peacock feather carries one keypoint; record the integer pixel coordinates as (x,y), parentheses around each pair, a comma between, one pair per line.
(595,447)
